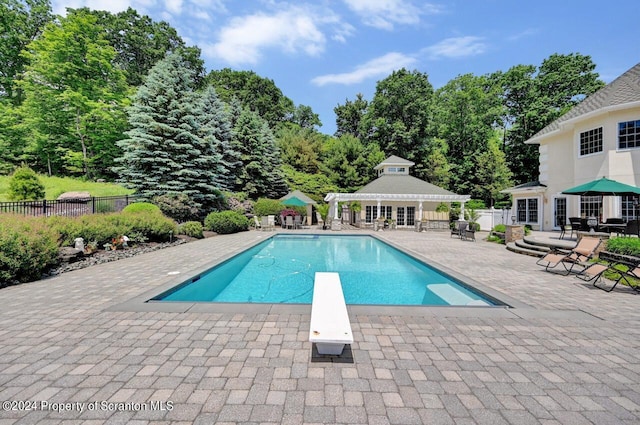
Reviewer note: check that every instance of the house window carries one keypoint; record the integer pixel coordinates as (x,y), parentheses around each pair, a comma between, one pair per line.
(371,212)
(629,134)
(591,141)
(590,206)
(396,169)
(527,210)
(628,207)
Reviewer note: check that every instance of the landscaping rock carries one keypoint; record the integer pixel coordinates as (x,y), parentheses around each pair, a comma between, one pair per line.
(100,257)
(69,254)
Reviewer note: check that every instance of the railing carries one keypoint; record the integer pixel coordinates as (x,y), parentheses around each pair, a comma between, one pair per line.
(69,207)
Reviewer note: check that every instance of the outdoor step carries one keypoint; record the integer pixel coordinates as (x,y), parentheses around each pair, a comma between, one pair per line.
(533,247)
(511,246)
(549,243)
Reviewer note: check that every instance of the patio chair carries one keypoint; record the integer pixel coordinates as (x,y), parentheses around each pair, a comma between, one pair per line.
(297,222)
(584,250)
(576,223)
(257,222)
(265,224)
(458,229)
(289,222)
(566,228)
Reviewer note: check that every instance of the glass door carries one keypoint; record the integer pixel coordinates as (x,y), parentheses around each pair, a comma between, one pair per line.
(411,216)
(400,216)
(560,216)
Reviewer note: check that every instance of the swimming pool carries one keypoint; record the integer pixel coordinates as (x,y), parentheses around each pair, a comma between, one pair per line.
(281,270)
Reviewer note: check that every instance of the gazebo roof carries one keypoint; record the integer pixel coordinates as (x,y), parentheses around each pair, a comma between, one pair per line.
(394,160)
(299,195)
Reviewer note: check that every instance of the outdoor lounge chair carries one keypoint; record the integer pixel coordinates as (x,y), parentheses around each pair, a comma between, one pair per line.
(584,250)
(596,272)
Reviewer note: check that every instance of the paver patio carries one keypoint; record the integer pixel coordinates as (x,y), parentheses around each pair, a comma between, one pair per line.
(568,354)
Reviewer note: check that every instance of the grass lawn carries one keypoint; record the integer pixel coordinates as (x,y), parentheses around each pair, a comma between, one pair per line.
(55,186)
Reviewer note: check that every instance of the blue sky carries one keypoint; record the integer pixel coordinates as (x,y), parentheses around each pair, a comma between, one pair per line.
(320,53)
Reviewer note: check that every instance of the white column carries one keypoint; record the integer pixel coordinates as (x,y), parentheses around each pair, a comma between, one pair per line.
(335,209)
(420,211)
(379,207)
(461,218)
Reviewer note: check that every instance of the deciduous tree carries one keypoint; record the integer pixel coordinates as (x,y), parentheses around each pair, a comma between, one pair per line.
(74,97)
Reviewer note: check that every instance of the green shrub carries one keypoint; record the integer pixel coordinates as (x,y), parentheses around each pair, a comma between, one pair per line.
(501,228)
(475,204)
(155,227)
(25,185)
(138,207)
(27,248)
(226,222)
(192,229)
(624,246)
(442,207)
(496,239)
(265,206)
(178,206)
(102,228)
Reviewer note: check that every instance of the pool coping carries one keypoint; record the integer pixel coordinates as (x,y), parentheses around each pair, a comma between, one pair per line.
(513,308)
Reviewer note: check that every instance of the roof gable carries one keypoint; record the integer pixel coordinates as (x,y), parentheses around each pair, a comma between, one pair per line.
(624,89)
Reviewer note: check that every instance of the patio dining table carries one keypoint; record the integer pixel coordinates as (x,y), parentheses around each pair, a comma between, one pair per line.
(619,228)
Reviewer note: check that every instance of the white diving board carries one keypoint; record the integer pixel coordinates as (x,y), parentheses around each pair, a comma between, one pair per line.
(330,328)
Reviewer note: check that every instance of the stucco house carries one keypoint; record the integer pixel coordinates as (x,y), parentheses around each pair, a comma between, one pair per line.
(394,195)
(600,137)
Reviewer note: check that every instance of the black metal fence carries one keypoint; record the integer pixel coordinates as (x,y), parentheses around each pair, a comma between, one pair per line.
(69,207)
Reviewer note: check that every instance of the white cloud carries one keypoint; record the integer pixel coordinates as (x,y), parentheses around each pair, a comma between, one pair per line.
(384,14)
(456,47)
(174,6)
(381,66)
(292,29)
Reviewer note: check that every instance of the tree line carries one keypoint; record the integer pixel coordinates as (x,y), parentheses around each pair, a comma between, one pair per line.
(121,97)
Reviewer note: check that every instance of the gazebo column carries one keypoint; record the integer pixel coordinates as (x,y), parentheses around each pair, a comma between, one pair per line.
(335,209)
(461,218)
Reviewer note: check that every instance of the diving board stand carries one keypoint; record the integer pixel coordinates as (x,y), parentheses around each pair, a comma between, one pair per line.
(330,328)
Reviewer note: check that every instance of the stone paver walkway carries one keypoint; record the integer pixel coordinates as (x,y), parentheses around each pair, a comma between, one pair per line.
(77,349)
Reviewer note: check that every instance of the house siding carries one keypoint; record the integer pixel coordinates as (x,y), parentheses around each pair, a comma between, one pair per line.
(562,167)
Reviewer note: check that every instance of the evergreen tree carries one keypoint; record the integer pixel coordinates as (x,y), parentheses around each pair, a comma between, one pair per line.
(215,129)
(164,152)
(260,174)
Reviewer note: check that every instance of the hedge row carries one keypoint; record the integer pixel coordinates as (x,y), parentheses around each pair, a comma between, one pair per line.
(102,228)
(28,246)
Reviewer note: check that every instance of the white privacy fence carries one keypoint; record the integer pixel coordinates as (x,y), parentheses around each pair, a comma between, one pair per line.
(491,217)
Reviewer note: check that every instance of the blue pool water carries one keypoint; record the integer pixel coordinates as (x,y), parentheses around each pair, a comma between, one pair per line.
(282,268)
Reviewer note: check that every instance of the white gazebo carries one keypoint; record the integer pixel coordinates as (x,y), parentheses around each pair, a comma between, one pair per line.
(396,195)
